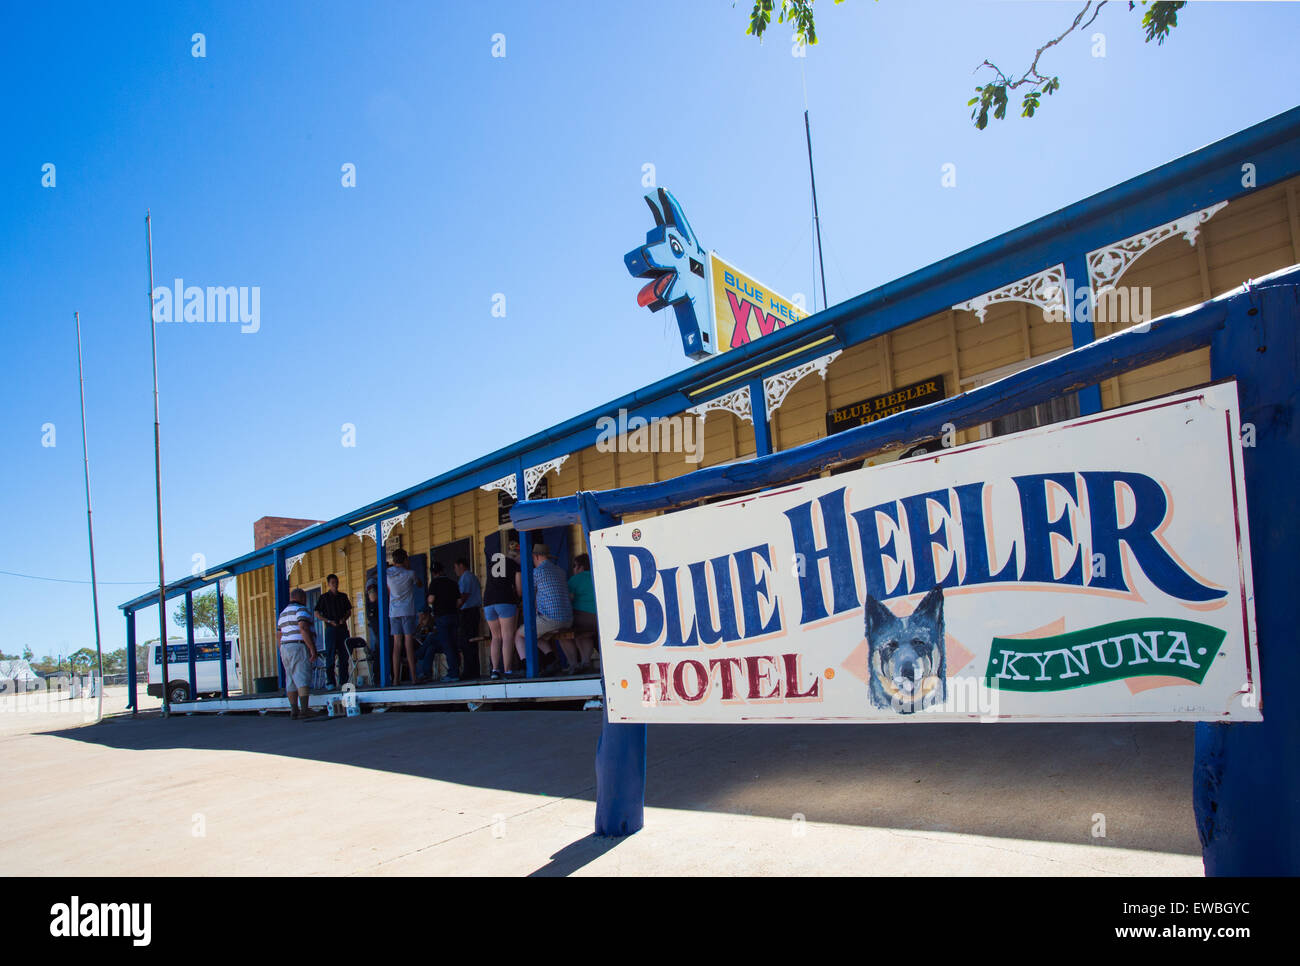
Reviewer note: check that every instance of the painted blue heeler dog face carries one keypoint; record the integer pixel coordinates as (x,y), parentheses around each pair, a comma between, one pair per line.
(907,658)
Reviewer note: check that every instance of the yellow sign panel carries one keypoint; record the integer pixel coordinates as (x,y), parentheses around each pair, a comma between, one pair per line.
(744,310)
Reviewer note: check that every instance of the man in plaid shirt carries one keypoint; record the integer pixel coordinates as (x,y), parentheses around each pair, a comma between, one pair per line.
(554,607)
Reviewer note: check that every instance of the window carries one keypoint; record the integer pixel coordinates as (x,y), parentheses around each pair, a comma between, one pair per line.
(1044,414)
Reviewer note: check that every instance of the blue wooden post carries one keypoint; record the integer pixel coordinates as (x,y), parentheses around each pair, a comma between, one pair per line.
(758,408)
(529,605)
(1247,775)
(381,607)
(189,644)
(1081,333)
(221,642)
(621,750)
(280,581)
(131,700)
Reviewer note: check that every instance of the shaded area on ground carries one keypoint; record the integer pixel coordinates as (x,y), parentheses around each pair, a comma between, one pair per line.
(1046,782)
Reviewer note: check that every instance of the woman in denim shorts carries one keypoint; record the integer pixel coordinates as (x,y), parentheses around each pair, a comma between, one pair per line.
(502,590)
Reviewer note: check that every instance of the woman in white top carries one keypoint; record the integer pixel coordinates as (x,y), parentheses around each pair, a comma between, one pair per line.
(402,585)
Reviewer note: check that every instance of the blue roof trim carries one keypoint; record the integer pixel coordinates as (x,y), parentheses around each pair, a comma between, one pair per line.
(1197,180)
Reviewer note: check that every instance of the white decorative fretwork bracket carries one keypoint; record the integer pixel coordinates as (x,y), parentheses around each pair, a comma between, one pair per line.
(506,485)
(1106,265)
(777,387)
(291,562)
(1046,289)
(736,402)
(534,474)
(387,526)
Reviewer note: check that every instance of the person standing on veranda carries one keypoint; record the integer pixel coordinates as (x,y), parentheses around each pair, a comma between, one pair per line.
(402,584)
(335,610)
(469,603)
(445,609)
(372,628)
(500,609)
(297,652)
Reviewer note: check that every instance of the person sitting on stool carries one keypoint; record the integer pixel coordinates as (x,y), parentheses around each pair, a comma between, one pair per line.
(554,608)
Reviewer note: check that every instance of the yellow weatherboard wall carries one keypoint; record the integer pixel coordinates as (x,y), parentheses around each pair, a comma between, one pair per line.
(743,308)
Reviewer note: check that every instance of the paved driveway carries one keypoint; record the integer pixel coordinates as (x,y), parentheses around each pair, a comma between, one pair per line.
(512,792)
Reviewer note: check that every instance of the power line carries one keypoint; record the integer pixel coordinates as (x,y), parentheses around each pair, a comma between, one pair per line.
(64,580)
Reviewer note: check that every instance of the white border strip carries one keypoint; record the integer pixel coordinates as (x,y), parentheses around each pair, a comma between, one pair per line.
(546,689)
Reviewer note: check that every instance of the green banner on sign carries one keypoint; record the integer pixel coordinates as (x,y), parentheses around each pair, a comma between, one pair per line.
(1110,652)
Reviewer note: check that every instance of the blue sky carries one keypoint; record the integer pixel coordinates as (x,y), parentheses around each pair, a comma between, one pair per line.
(478,175)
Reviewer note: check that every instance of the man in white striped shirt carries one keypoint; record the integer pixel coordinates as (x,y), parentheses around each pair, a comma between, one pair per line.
(297,652)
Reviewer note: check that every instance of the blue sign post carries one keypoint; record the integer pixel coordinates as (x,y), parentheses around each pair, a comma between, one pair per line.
(1247,777)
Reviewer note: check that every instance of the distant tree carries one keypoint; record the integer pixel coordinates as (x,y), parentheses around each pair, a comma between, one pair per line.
(27,654)
(48,664)
(115,661)
(205,612)
(1158,20)
(83,661)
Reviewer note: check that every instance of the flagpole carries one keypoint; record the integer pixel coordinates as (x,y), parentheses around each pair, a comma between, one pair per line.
(90,529)
(157,473)
(817,221)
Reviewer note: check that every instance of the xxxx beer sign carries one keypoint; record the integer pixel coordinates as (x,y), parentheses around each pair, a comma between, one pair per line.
(1095,569)
(744,309)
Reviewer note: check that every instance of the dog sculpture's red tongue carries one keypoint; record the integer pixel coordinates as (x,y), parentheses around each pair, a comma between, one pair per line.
(654,290)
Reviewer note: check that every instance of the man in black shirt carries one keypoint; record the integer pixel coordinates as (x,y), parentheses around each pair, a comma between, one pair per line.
(334,609)
(446,596)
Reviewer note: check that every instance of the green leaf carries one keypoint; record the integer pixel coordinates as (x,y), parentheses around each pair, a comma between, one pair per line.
(1159,19)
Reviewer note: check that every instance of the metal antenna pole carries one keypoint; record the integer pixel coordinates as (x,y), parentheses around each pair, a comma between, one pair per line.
(816,218)
(90,529)
(157,472)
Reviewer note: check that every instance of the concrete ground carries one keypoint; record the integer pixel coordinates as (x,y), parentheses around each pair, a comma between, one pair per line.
(512,793)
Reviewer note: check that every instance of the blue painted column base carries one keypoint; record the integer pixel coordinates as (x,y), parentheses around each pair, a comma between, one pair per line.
(281,602)
(381,608)
(620,778)
(1246,782)
(528,608)
(131,702)
(620,753)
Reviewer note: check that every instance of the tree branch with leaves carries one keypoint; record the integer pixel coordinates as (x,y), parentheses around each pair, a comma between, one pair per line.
(991,99)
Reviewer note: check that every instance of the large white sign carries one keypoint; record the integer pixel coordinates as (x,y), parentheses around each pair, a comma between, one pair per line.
(1095,569)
